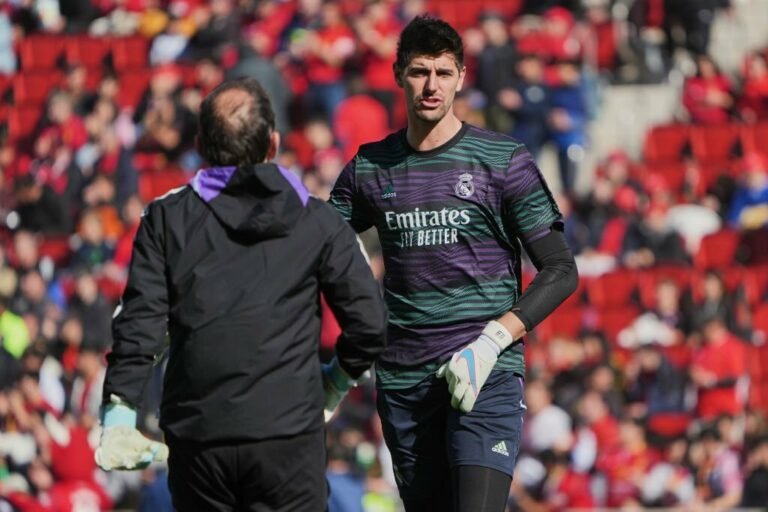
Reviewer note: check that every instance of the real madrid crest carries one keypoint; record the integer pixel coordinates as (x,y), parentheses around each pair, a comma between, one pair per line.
(465,187)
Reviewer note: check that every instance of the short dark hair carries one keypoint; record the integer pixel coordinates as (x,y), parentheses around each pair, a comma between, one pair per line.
(236,132)
(426,35)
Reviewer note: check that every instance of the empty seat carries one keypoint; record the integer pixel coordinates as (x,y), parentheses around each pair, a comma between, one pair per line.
(40,51)
(666,143)
(717,251)
(715,142)
(129,53)
(91,52)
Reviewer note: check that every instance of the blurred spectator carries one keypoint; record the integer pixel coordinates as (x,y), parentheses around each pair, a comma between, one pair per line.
(626,465)
(708,95)
(252,63)
(93,251)
(653,385)
(359,119)
(594,413)
(86,395)
(13,330)
(696,18)
(717,367)
(753,101)
(347,487)
(496,71)
(93,310)
(756,480)
(719,483)
(561,489)
(528,102)
(325,50)
(749,207)
(669,482)
(568,120)
(547,426)
(75,85)
(715,300)
(649,241)
(218,24)
(377,31)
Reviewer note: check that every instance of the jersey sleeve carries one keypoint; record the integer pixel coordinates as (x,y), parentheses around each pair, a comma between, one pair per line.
(529,209)
(346,200)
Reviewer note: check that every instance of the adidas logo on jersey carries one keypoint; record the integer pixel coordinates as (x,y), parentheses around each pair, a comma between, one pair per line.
(501,448)
(389,192)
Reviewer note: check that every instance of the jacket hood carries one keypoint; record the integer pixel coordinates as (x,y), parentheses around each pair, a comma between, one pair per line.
(262,201)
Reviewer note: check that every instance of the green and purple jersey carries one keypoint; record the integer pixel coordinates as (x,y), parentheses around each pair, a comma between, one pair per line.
(449,221)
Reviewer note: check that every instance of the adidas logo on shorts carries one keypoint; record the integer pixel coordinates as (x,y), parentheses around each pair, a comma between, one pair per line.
(501,448)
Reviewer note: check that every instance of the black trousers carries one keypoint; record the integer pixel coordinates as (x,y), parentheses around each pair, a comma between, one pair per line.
(275,475)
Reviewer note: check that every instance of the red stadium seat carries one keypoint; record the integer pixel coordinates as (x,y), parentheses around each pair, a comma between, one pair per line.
(132,87)
(612,289)
(22,122)
(564,321)
(666,143)
(648,280)
(672,174)
(669,425)
(714,142)
(610,321)
(129,53)
(33,88)
(40,52)
(56,248)
(717,251)
(754,137)
(91,52)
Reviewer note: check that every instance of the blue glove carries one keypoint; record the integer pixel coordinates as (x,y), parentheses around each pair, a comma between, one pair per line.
(121,445)
(469,368)
(336,384)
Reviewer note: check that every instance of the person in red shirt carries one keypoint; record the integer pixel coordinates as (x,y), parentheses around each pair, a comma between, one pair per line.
(716,370)
(325,52)
(708,96)
(626,465)
(563,488)
(377,30)
(753,103)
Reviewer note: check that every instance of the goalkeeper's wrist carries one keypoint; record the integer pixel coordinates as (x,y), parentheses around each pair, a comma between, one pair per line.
(337,377)
(499,336)
(117,413)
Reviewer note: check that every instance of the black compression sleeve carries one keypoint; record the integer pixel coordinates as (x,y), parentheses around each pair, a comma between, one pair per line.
(556,280)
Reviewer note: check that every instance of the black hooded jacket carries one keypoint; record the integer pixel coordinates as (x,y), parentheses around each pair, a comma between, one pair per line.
(231,267)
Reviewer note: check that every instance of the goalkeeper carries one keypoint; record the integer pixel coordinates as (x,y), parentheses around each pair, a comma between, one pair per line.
(231,266)
(451,203)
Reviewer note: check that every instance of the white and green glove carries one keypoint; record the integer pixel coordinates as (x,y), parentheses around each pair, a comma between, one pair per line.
(336,384)
(121,445)
(468,369)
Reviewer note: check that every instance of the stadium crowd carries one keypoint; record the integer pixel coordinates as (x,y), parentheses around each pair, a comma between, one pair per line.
(648,387)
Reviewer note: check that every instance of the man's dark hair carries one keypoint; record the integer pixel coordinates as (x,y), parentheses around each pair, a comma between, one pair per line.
(426,35)
(235,129)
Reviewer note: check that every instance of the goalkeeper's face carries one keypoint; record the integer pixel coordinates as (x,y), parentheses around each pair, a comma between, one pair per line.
(431,84)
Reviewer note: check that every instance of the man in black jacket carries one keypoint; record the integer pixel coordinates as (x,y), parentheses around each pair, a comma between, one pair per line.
(231,267)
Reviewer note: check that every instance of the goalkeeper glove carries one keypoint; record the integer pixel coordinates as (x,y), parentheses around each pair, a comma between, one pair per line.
(336,383)
(468,369)
(121,445)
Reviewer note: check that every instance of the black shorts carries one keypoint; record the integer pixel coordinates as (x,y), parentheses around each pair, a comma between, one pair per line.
(286,474)
(427,437)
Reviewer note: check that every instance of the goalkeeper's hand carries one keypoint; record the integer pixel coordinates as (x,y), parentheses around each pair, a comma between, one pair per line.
(468,369)
(121,445)
(336,384)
